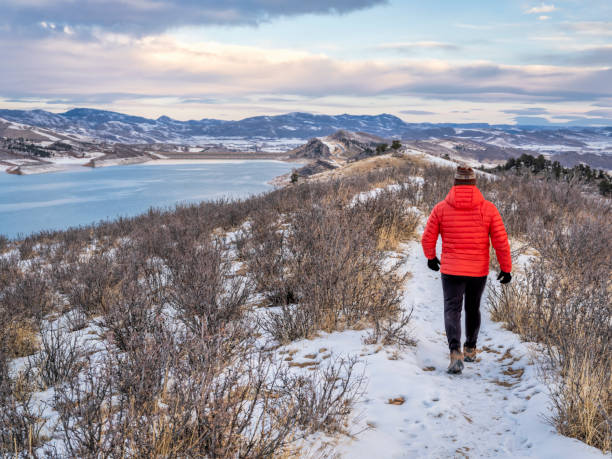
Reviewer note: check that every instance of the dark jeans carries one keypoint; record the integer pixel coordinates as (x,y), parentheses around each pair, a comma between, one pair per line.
(455,289)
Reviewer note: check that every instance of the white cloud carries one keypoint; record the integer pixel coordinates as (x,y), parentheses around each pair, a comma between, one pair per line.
(47,25)
(544,18)
(416,45)
(543,8)
(166,67)
(590,27)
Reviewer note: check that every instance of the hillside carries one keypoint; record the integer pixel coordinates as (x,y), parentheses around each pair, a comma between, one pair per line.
(247,328)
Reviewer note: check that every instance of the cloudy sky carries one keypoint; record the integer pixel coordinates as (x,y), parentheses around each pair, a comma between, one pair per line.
(502,61)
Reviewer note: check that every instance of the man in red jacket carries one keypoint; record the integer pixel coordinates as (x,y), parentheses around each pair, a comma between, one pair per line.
(466,221)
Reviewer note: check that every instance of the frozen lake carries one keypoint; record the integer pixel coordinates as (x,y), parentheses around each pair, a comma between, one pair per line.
(81,196)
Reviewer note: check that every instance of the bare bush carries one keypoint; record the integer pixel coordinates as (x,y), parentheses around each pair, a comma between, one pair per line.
(58,358)
(209,300)
(129,313)
(26,248)
(203,409)
(76,320)
(83,404)
(140,373)
(94,281)
(436,183)
(392,218)
(266,252)
(564,302)
(30,294)
(4,243)
(338,273)
(391,331)
(21,423)
(325,399)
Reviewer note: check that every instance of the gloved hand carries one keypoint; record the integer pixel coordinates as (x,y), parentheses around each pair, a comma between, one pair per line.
(504,277)
(434,264)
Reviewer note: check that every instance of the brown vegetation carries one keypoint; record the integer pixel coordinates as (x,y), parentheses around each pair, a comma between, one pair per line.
(146,332)
(177,370)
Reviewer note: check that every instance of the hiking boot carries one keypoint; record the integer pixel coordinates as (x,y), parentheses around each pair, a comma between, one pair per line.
(469,354)
(456,362)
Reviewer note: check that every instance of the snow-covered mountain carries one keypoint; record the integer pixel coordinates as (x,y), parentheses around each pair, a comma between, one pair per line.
(118,127)
(480,141)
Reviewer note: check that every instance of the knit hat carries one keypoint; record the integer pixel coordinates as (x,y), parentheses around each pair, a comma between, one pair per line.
(465,175)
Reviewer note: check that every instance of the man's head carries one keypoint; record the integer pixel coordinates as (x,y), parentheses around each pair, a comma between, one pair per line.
(465,175)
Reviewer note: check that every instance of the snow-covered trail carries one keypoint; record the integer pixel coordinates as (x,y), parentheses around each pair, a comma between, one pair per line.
(494,409)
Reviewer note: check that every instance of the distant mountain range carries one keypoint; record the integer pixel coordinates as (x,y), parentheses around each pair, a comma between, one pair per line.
(117,127)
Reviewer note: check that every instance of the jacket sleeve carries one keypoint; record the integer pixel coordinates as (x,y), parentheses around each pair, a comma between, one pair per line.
(499,239)
(430,235)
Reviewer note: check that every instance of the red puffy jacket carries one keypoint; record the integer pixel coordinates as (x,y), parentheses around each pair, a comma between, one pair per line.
(466,220)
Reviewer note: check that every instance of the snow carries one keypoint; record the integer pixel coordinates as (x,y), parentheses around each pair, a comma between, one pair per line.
(331,145)
(443,415)
(367,195)
(491,410)
(167,162)
(272,145)
(500,142)
(71,160)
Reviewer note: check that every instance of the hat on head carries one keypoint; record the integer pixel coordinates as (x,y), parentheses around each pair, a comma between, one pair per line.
(465,175)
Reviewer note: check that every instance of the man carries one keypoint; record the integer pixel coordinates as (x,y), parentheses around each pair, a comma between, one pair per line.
(466,221)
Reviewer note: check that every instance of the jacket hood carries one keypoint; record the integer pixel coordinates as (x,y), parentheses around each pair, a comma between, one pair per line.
(464,197)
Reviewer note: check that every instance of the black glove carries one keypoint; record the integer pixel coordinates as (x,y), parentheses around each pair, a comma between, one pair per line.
(504,277)
(434,264)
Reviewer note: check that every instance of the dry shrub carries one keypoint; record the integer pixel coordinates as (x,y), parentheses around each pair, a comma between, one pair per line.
(582,398)
(129,312)
(526,305)
(94,281)
(391,331)
(21,423)
(437,182)
(20,337)
(4,243)
(26,248)
(30,295)
(208,299)
(24,300)
(337,274)
(198,408)
(392,217)
(326,398)
(58,359)
(564,301)
(265,250)
(83,405)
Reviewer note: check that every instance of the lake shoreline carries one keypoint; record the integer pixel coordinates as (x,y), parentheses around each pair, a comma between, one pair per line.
(83,195)
(52,166)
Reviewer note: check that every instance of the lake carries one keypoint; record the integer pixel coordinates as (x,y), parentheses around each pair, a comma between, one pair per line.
(83,195)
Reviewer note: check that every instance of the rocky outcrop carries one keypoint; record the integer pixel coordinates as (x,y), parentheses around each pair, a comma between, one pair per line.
(316,167)
(314,149)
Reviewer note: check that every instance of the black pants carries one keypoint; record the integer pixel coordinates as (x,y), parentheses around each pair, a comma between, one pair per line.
(455,289)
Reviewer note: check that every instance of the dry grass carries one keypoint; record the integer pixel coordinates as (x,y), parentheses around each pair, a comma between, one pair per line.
(22,338)
(563,301)
(320,260)
(396,401)
(368,165)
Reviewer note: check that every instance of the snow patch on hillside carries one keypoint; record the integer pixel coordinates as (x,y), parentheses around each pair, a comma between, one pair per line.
(494,409)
